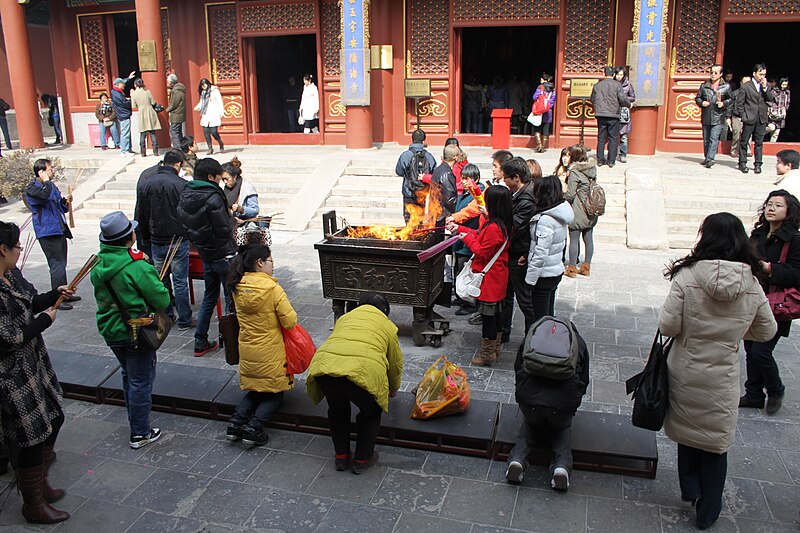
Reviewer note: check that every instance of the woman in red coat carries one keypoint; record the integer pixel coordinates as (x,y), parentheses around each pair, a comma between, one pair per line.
(485,243)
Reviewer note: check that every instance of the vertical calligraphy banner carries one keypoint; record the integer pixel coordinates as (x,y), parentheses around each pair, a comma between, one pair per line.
(648,51)
(355,56)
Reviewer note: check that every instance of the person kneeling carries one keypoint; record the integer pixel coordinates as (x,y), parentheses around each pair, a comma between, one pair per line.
(361,362)
(548,406)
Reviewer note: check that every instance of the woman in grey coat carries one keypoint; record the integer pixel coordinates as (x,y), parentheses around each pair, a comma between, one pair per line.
(30,396)
(548,227)
(581,171)
(621,75)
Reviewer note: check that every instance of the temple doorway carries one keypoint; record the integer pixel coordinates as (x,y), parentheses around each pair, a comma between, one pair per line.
(771,43)
(277,61)
(508,58)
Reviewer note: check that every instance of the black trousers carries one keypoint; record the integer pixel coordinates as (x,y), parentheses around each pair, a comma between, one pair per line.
(340,392)
(32,455)
(762,370)
(209,132)
(544,297)
(542,424)
(523,293)
(607,131)
(256,409)
(55,250)
(702,478)
(757,131)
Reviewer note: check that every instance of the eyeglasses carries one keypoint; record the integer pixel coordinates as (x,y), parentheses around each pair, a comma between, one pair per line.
(270,260)
(18,247)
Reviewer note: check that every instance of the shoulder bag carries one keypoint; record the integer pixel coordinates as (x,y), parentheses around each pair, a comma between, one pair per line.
(229,335)
(468,283)
(149,329)
(784,301)
(650,387)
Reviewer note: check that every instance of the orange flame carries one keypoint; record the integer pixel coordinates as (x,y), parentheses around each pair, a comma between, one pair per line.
(422,216)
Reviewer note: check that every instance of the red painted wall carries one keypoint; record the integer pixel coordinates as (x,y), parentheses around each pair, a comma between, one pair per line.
(44,70)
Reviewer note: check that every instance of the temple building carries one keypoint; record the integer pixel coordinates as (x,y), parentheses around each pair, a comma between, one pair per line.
(250,49)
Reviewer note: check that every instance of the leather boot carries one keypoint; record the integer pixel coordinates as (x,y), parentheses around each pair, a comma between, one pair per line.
(497,346)
(50,494)
(585,270)
(486,356)
(155,149)
(546,143)
(34,508)
(572,271)
(144,150)
(538,148)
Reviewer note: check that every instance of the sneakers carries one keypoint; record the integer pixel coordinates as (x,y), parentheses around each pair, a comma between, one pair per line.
(515,472)
(709,163)
(774,404)
(187,327)
(137,441)
(254,437)
(745,401)
(342,462)
(201,350)
(622,159)
(360,466)
(475,319)
(234,432)
(560,479)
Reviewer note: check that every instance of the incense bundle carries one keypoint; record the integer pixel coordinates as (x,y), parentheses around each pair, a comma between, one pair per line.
(82,273)
(26,223)
(424,255)
(171,251)
(71,214)
(426,230)
(29,240)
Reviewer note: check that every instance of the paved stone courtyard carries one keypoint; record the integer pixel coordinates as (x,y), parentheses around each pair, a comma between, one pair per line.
(192,480)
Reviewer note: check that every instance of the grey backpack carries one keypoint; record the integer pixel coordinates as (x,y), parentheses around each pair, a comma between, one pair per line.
(551,349)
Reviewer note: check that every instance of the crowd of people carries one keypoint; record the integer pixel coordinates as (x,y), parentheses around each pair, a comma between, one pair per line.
(523,229)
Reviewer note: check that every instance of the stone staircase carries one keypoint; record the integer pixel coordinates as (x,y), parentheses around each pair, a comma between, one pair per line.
(690,198)
(276,180)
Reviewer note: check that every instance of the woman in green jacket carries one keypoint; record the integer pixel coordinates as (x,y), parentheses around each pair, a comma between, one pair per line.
(137,286)
(361,362)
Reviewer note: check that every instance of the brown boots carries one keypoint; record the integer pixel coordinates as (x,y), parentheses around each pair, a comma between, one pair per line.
(545,143)
(50,494)
(585,270)
(34,507)
(572,271)
(490,352)
(539,149)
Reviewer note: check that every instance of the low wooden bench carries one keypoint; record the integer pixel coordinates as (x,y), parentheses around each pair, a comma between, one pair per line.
(82,375)
(601,442)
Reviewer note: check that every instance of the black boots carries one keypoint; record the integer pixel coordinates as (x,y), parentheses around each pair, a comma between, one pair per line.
(34,507)
(155,150)
(144,150)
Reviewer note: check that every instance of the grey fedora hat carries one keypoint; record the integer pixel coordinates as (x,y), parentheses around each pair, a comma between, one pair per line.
(115,226)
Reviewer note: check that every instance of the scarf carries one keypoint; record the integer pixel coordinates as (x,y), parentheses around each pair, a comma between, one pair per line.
(204,98)
(232,195)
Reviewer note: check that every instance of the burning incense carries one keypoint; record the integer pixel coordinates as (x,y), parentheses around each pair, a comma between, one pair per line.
(424,255)
(29,240)
(426,230)
(82,273)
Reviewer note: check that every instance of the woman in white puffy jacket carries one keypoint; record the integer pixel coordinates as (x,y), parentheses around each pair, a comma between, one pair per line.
(309,105)
(552,216)
(211,112)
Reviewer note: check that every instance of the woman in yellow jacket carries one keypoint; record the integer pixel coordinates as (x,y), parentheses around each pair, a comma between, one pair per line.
(262,309)
(361,362)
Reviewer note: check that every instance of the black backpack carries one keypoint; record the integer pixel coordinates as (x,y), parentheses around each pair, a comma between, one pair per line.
(416,168)
(551,349)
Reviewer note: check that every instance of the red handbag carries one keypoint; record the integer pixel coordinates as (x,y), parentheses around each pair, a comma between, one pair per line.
(784,301)
(542,104)
(300,349)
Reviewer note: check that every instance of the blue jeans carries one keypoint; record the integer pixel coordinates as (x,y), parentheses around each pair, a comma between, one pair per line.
(711,140)
(623,144)
(114,133)
(256,409)
(125,135)
(179,268)
(57,127)
(6,134)
(138,374)
(214,275)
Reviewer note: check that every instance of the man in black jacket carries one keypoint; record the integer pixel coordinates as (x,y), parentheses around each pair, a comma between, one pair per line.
(412,177)
(517,178)
(157,200)
(209,227)
(608,99)
(752,105)
(443,180)
(714,99)
(548,407)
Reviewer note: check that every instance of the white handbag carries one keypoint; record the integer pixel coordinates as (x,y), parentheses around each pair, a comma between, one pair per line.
(468,283)
(535,120)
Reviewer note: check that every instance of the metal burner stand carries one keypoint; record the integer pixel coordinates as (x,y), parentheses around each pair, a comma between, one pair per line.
(352,266)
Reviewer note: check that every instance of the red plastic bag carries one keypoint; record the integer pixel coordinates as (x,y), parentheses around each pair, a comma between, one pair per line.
(300,349)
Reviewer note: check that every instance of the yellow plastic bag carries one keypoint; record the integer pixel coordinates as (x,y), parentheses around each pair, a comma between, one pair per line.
(443,391)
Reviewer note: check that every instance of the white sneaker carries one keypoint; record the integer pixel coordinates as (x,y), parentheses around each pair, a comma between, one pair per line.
(515,472)
(137,441)
(560,479)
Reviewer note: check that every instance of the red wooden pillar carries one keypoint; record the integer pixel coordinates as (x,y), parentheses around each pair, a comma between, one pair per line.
(358,122)
(148,25)
(20,68)
(642,141)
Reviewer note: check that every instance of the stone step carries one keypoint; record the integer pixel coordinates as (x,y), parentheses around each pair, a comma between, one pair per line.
(355,216)
(610,236)
(712,204)
(94,213)
(337,202)
(680,216)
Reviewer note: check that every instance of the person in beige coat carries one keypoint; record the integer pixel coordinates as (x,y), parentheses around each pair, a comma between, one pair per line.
(714,302)
(142,99)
